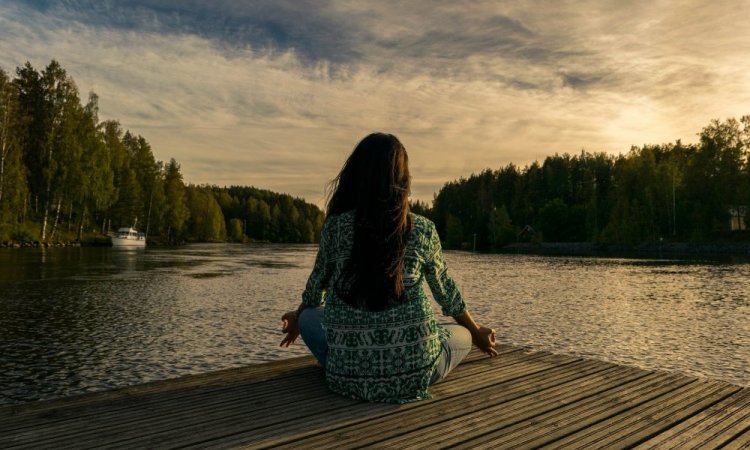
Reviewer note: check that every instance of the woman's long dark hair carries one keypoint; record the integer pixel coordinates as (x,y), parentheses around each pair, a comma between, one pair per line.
(374,183)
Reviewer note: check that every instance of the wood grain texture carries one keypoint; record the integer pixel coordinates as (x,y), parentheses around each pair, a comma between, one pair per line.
(520,399)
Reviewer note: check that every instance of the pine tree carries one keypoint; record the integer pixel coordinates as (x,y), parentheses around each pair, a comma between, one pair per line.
(177,212)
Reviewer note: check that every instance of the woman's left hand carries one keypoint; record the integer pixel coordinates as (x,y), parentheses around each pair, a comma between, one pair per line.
(290,326)
(484,339)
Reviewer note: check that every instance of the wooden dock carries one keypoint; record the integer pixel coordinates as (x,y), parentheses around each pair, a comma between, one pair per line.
(521,399)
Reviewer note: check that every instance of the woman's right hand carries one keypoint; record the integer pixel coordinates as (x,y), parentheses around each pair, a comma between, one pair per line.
(484,339)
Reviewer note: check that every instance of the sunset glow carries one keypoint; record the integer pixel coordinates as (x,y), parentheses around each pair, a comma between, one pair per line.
(276,94)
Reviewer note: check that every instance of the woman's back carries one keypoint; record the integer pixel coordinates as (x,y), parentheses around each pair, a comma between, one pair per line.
(364,313)
(383,355)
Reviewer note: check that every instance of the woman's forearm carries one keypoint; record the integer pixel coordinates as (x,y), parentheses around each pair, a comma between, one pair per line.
(467,321)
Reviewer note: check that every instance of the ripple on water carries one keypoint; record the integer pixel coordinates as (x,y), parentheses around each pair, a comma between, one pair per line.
(91,319)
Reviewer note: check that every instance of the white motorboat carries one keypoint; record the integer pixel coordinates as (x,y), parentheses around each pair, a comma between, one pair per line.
(128,237)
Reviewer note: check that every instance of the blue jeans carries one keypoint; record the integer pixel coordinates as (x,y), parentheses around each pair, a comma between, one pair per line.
(453,351)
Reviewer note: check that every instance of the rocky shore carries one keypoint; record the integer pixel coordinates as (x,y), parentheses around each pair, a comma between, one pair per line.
(37,244)
(97,241)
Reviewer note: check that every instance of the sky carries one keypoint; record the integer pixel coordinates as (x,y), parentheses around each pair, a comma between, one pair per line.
(277,93)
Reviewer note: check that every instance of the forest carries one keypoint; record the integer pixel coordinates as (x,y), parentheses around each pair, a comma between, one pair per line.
(674,192)
(65,177)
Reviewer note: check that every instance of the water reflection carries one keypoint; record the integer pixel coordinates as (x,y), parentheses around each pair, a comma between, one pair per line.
(80,319)
(674,315)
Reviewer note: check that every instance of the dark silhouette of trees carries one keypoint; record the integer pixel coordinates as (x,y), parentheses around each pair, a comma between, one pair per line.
(672,192)
(270,216)
(63,174)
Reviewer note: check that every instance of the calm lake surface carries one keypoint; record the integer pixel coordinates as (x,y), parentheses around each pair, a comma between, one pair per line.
(76,320)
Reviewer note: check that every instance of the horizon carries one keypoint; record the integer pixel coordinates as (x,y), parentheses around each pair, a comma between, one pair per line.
(276,94)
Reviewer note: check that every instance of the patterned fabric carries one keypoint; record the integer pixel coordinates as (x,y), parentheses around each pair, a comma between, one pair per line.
(385,356)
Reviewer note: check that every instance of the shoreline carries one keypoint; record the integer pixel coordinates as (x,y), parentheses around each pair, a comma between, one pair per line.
(37,244)
(673,249)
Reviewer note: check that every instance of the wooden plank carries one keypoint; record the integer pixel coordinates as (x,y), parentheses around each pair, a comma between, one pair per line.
(179,412)
(444,434)
(140,396)
(342,428)
(166,409)
(646,420)
(740,442)
(548,427)
(467,380)
(90,429)
(295,381)
(711,428)
(161,401)
(501,349)
(231,422)
(154,422)
(254,373)
(521,399)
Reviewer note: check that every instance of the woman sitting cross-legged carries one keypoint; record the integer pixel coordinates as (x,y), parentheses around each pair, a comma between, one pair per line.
(364,313)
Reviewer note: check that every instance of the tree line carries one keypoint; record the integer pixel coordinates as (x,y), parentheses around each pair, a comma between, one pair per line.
(64,175)
(670,192)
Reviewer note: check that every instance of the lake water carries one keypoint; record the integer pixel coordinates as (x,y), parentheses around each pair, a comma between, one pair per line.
(76,320)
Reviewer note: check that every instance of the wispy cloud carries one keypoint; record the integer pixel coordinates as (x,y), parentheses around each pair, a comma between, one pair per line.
(276,94)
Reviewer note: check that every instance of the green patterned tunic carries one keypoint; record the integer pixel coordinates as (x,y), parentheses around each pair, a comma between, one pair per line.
(386,356)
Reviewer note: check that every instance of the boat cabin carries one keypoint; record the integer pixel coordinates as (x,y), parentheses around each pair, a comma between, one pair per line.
(129,233)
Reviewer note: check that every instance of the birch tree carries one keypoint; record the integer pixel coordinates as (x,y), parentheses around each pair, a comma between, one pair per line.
(94,191)
(12,173)
(47,103)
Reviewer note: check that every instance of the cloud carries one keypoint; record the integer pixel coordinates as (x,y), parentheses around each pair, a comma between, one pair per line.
(276,94)
(270,26)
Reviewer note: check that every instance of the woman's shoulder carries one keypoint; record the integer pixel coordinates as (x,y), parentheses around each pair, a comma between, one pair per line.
(422,221)
(347,216)
(422,225)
